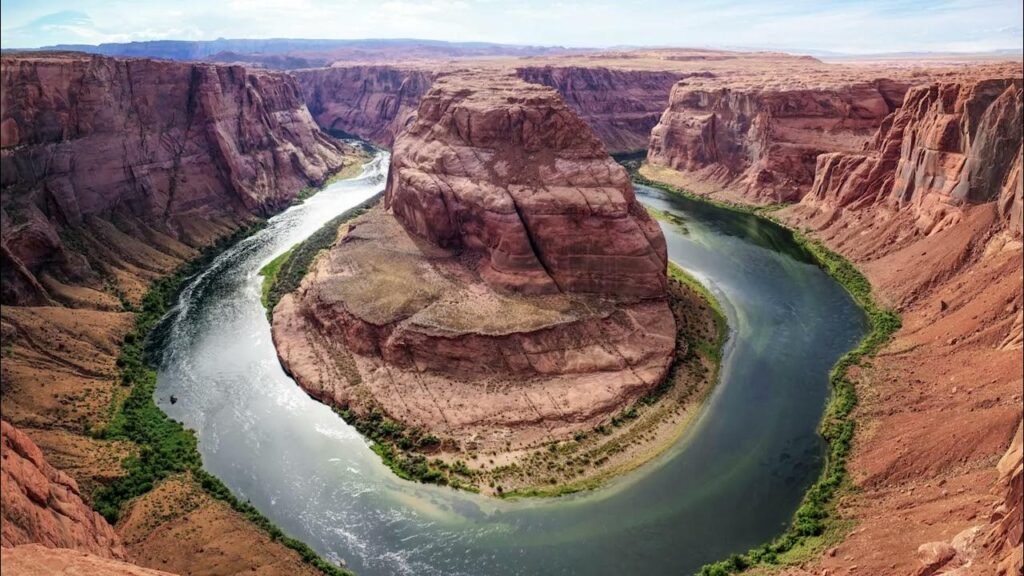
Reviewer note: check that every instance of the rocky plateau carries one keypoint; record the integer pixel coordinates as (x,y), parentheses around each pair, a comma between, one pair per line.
(505,290)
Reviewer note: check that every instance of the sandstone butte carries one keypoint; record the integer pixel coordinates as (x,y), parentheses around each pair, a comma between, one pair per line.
(511,291)
(114,173)
(930,209)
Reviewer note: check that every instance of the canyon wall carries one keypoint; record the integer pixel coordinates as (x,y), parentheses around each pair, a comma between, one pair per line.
(113,167)
(526,292)
(931,212)
(375,102)
(763,142)
(114,173)
(620,105)
(949,146)
(372,102)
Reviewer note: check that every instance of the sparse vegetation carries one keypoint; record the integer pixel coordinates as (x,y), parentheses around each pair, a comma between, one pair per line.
(697,361)
(291,269)
(670,217)
(745,208)
(394,442)
(815,521)
(165,446)
(269,274)
(348,171)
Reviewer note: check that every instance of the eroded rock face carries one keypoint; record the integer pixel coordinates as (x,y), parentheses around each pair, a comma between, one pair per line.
(513,292)
(375,102)
(43,505)
(930,213)
(36,560)
(1006,539)
(371,102)
(765,143)
(165,154)
(948,146)
(620,105)
(505,170)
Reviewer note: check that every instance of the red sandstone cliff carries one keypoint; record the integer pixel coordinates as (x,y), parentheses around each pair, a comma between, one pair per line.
(555,213)
(375,102)
(371,102)
(114,173)
(43,505)
(764,142)
(620,105)
(515,292)
(949,146)
(107,163)
(931,212)
(1004,542)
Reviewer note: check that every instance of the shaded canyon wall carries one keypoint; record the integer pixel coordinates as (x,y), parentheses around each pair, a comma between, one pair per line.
(113,168)
(375,102)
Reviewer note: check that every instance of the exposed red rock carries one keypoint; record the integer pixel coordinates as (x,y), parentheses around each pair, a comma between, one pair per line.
(114,173)
(948,146)
(36,560)
(930,213)
(375,102)
(125,159)
(555,212)
(620,105)
(765,141)
(43,505)
(1006,538)
(525,286)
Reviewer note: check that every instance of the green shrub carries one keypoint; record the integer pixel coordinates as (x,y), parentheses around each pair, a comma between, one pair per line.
(292,268)
(165,446)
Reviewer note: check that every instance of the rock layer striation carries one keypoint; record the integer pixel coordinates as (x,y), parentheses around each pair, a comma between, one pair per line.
(950,145)
(504,169)
(107,161)
(764,142)
(512,293)
(931,212)
(376,102)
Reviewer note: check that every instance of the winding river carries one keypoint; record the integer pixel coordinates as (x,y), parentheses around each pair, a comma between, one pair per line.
(732,482)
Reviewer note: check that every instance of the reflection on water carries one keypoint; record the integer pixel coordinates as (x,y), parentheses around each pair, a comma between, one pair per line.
(731,483)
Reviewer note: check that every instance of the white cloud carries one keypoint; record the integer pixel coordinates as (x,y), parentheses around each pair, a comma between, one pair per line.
(868,26)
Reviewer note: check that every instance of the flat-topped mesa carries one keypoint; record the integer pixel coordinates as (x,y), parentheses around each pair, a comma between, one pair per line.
(505,170)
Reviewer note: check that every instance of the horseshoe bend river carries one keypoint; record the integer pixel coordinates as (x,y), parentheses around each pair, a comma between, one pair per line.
(730,483)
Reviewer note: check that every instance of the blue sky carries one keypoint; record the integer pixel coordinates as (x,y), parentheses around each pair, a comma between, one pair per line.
(835,25)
